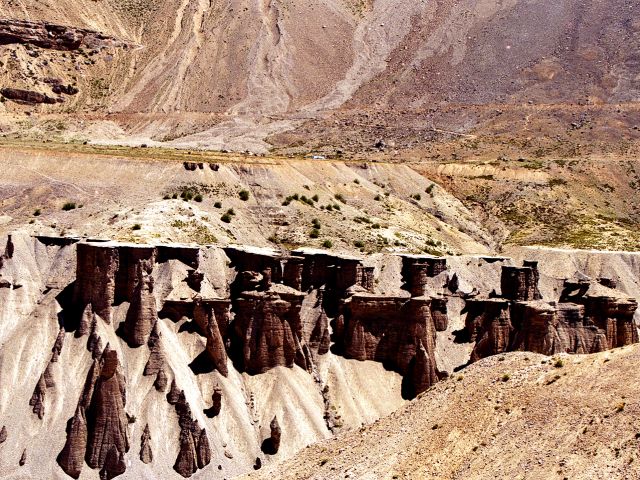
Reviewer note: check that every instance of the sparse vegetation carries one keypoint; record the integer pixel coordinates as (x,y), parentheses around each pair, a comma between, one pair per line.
(327,244)
(37,212)
(69,206)
(506,377)
(136,226)
(244,195)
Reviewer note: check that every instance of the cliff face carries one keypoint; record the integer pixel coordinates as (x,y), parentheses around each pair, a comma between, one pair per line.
(241,312)
(520,320)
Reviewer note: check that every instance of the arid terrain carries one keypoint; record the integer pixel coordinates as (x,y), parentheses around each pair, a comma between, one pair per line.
(366,239)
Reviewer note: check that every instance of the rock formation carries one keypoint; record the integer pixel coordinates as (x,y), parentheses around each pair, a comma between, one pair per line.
(49,35)
(156,364)
(28,96)
(3,434)
(195,452)
(216,403)
(271,444)
(98,430)
(520,283)
(396,331)
(146,455)
(578,323)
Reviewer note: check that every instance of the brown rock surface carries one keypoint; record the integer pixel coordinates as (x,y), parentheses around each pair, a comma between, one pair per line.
(28,96)
(146,455)
(71,458)
(271,444)
(520,283)
(49,35)
(391,330)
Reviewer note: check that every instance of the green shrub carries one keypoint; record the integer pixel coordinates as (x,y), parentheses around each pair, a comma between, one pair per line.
(506,377)
(315,233)
(315,198)
(377,198)
(340,197)
(68,206)
(218,205)
(226,218)
(198,198)
(136,227)
(316,223)
(37,212)
(244,195)
(358,244)
(231,211)
(327,244)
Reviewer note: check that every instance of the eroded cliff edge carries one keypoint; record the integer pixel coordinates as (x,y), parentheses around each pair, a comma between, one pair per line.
(242,313)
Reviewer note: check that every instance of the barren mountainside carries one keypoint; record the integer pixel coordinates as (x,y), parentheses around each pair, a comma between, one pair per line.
(265,68)
(364,239)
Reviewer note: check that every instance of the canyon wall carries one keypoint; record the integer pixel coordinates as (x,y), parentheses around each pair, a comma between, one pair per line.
(195,333)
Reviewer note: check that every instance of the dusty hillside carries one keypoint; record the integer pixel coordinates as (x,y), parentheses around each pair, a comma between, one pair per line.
(254,75)
(464,206)
(512,416)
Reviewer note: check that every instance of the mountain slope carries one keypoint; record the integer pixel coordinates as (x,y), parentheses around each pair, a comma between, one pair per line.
(513,416)
(234,76)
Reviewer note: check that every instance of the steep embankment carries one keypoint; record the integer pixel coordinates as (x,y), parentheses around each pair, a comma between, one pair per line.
(518,415)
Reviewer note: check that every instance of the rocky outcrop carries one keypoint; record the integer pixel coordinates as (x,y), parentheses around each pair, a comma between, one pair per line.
(29,97)
(71,458)
(195,452)
(396,331)
(488,325)
(213,317)
(417,270)
(146,455)
(216,403)
(52,36)
(271,444)
(57,346)
(520,283)
(108,275)
(578,323)
(156,364)
(37,398)
(267,331)
(98,430)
